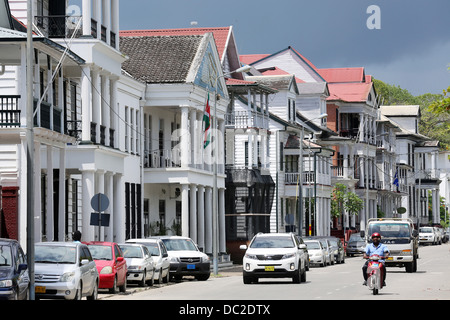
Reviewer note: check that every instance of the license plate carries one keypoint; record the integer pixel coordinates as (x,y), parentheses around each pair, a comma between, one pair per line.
(269,268)
(390,258)
(39,289)
(191,266)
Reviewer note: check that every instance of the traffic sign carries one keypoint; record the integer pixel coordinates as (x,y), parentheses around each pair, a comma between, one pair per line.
(99,202)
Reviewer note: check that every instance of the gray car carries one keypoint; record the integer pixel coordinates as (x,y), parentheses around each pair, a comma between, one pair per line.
(65,270)
(356,245)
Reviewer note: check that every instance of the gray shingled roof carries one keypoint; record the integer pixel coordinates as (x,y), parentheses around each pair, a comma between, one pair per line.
(159,59)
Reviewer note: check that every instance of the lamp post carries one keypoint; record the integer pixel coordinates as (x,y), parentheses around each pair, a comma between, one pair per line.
(215,212)
(300,164)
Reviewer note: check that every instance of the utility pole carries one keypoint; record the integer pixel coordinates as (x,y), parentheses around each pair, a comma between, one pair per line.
(30,150)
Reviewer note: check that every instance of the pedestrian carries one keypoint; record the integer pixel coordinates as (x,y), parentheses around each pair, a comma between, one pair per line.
(76,236)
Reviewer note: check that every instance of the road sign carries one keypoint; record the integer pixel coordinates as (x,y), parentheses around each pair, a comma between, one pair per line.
(99,202)
(98,219)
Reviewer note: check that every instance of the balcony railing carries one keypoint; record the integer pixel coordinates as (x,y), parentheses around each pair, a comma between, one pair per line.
(242,120)
(162,159)
(9,111)
(59,26)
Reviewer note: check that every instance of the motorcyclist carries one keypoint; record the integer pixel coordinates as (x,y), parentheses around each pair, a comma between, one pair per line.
(375,248)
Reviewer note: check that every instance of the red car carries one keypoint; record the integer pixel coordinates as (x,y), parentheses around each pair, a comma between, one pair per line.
(111,265)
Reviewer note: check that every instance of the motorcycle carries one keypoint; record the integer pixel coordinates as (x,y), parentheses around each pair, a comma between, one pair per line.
(374,274)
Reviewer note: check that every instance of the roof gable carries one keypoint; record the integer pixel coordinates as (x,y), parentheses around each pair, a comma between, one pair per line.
(291,61)
(338,75)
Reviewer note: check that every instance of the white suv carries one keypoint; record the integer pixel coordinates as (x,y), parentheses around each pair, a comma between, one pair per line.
(274,255)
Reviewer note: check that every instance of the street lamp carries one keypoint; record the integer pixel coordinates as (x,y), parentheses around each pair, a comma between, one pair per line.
(300,164)
(215,214)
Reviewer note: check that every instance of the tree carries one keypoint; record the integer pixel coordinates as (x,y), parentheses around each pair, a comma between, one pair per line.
(434,108)
(342,200)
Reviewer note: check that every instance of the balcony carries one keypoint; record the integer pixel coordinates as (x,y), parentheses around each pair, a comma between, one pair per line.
(242,120)
(59,26)
(162,159)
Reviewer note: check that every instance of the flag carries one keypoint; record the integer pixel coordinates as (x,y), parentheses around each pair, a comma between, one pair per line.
(207,124)
(396,179)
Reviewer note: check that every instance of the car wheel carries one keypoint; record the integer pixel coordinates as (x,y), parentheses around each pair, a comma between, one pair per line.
(303,276)
(249,280)
(151,282)
(94,295)
(123,288)
(160,277)
(142,282)
(78,292)
(113,290)
(296,278)
(167,277)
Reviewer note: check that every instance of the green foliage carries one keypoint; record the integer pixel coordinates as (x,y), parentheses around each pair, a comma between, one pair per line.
(434,108)
(342,200)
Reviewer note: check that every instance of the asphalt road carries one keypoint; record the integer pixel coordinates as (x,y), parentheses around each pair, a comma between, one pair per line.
(337,282)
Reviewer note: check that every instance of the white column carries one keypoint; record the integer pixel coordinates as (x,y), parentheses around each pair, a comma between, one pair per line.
(62,195)
(87,17)
(184,138)
(100,188)
(106,103)
(114,119)
(115,20)
(86,103)
(208,220)
(222,230)
(96,8)
(49,208)
(37,191)
(194,142)
(119,207)
(193,211)
(109,192)
(201,217)
(88,191)
(106,15)
(185,210)
(96,102)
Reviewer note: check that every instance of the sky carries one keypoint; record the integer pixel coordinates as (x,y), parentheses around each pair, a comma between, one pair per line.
(401,42)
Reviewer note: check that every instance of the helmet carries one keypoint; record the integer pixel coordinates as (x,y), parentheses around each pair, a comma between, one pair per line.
(376,234)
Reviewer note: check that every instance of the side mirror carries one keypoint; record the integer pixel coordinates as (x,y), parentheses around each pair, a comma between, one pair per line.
(302,246)
(165,255)
(243,247)
(22,267)
(119,259)
(84,262)
(362,233)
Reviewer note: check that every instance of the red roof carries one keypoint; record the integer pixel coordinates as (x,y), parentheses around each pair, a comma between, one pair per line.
(220,34)
(349,92)
(250,58)
(337,75)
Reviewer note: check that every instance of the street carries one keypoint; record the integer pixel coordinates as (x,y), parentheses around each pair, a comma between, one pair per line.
(336,282)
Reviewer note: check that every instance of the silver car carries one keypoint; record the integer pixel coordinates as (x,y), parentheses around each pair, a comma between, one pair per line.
(65,270)
(141,268)
(160,257)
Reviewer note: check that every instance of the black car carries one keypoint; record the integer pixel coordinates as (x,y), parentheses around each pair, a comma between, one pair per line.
(14,279)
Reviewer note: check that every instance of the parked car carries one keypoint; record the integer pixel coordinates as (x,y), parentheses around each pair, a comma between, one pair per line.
(111,265)
(274,255)
(141,268)
(14,278)
(327,246)
(317,253)
(356,245)
(439,235)
(160,257)
(338,249)
(427,235)
(65,270)
(186,259)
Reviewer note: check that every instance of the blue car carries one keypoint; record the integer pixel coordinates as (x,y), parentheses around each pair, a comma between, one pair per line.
(14,279)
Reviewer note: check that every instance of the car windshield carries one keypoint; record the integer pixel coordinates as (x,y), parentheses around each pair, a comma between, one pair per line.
(55,254)
(179,244)
(101,252)
(153,248)
(272,242)
(132,252)
(426,230)
(5,256)
(312,245)
(355,237)
(390,230)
